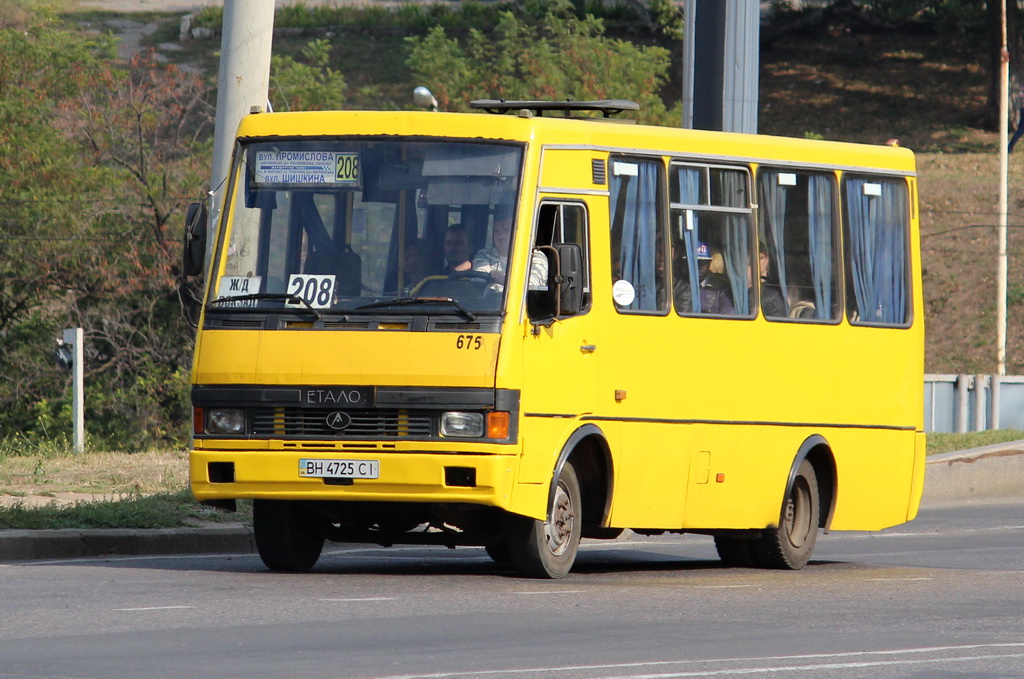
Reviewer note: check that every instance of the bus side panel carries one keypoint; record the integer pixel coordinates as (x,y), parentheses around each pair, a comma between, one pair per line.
(740,475)
(652,465)
(876,471)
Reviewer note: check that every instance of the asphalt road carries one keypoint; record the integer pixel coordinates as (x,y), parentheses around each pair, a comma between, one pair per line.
(941,597)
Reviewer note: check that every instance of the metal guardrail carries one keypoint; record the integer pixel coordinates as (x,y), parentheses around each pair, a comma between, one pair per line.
(964,403)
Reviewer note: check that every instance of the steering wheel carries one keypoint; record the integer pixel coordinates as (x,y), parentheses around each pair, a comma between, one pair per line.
(471,275)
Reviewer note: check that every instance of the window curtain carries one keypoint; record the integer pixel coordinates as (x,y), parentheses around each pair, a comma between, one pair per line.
(819,223)
(737,242)
(689,194)
(638,203)
(773,204)
(877,250)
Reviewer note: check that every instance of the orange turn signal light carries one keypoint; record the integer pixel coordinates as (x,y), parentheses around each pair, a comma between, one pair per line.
(497,424)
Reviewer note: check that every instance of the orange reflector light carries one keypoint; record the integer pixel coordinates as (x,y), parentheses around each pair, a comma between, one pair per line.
(497,424)
(198,425)
(720,478)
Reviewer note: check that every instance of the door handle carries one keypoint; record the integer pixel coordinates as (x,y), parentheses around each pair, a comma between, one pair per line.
(588,348)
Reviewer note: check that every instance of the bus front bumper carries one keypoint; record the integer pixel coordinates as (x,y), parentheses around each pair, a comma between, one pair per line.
(476,478)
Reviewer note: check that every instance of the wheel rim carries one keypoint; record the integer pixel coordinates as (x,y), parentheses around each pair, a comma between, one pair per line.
(558,527)
(798,513)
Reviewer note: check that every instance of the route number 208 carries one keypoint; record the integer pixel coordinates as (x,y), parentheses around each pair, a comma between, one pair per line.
(469,342)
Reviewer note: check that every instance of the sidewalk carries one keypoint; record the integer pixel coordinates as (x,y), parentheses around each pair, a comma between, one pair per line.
(989,472)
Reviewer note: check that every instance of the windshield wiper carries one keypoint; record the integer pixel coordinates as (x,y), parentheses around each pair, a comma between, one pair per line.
(277,296)
(406,301)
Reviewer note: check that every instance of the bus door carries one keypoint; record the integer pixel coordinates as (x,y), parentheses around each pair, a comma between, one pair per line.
(647,371)
(559,359)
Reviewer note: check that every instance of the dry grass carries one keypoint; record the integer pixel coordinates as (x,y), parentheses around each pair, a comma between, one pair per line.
(924,90)
(39,478)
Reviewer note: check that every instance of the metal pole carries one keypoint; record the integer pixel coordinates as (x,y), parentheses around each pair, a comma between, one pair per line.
(73,338)
(1001,263)
(243,82)
(962,402)
(979,402)
(994,402)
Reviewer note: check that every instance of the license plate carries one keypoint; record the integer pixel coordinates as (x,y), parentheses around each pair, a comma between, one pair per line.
(339,469)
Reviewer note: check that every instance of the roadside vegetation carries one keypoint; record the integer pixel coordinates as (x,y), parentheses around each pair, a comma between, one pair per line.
(101,157)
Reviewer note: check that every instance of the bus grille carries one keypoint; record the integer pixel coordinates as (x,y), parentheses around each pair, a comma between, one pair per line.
(362,424)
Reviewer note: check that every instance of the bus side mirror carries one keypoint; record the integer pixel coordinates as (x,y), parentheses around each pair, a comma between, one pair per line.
(195,239)
(569,285)
(563,295)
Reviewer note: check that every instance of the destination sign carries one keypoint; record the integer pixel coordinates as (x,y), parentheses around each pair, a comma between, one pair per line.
(309,167)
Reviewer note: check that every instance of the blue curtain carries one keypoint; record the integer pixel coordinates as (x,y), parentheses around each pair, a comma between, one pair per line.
(737,243)
(773,206)
(639,232)
(819,225)
(877,250)
(689,194)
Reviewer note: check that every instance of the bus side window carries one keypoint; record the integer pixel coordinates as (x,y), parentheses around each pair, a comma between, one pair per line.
(876,231)
(557,224)
(638,240)
(797,230)
(711,241)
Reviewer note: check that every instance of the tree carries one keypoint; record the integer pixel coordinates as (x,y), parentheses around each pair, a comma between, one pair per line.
(542,51)
(306,85)
(99,159)
(143,131)
(44,193)
(990,115)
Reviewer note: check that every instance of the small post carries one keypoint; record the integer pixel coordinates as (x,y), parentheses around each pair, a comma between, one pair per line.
(994,402)
(980,389)
(962,399)
(73,338)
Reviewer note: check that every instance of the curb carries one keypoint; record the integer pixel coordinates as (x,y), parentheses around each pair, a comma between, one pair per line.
(987,472)
(31,545)
(991,471)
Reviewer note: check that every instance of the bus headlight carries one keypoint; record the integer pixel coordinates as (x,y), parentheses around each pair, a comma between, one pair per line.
(225,421)
(463,425)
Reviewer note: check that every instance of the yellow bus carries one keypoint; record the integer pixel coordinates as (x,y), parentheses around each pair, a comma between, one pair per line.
(527,325)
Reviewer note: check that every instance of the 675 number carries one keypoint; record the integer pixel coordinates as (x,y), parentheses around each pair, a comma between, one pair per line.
(469,342)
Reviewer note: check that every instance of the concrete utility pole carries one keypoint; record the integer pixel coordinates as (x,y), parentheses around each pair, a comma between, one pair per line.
(243,82)
(720,65)
(1001,259)
(1001,264)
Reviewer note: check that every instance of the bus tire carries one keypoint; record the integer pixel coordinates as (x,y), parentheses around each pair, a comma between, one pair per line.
(287,537)
(789,546)
(547,549)
(736,552)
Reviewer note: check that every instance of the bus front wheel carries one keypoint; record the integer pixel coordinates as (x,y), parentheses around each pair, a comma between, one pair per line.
(288,538)
(547,549)
(789,546)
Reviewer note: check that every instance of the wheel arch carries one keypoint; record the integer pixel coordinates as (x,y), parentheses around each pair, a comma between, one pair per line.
(817,450)
(587,448)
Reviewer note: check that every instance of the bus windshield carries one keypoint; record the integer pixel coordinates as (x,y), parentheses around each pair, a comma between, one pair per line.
(368,226)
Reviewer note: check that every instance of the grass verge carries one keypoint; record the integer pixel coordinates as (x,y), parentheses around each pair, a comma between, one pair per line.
(948,443)
(163,510)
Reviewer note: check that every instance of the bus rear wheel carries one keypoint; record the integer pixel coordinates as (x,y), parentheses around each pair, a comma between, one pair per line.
(288,537)
(547,549)
(789,546)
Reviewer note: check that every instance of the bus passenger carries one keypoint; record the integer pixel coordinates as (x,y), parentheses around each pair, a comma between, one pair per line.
(772,302)
(457,249)
(494,260)
(715,291)
(414,263)
(714,288)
